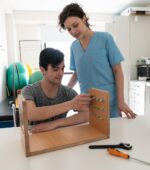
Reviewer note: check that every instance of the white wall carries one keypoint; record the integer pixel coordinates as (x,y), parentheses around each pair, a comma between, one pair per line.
(40,25)
(3,57)
(121,36)
(140,40)
(11,38)
(27,32)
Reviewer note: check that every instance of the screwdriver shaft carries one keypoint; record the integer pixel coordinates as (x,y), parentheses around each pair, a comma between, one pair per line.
(139,160)
(118,153)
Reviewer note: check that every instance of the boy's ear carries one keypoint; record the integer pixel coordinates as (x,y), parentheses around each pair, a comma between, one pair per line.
(42,69)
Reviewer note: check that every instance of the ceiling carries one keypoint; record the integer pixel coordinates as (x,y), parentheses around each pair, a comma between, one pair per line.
(100,6)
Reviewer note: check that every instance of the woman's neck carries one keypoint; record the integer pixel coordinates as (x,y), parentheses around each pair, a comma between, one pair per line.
(86,39)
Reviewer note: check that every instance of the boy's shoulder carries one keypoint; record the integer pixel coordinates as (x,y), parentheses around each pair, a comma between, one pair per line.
(31,87)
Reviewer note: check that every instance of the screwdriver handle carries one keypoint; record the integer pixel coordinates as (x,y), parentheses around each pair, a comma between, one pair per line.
(118,153)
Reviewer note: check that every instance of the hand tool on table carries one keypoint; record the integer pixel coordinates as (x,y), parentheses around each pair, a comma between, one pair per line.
(118,153)
(126,146)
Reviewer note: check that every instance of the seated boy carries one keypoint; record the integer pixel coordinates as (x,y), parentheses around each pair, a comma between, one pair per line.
(48,101)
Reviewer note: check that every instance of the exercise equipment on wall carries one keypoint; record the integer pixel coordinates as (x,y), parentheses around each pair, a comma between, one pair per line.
(30,69)
(35,77)
(17,77)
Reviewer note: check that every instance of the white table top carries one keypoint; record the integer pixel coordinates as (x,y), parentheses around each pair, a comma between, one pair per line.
(136,132)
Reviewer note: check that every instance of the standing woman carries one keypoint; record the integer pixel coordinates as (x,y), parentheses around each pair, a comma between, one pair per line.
(95,59)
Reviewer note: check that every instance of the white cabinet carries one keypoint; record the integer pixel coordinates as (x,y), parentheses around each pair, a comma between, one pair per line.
(139,95)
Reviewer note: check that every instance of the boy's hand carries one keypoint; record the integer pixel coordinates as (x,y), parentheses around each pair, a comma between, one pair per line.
(81,101)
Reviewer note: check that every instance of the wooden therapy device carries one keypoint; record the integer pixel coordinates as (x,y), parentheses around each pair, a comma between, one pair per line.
(96,129)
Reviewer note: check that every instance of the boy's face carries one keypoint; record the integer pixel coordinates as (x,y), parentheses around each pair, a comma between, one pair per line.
(54,74)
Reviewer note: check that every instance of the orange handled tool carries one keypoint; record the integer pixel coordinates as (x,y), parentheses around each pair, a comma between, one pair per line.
(118,153)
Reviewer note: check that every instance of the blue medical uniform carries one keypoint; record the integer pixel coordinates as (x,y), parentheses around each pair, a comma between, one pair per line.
(94,64)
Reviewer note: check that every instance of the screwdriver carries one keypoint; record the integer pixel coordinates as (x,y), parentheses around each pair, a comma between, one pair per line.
(118,153)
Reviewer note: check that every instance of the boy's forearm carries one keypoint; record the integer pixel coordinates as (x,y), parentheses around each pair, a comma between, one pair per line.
(72,120)
(63,122)
(45,112)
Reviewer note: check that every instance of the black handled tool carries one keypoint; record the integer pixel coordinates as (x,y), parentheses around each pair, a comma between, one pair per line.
(126,146)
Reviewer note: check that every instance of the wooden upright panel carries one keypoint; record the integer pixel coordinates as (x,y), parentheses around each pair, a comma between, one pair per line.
(96,129)
(24,123)
(99,110)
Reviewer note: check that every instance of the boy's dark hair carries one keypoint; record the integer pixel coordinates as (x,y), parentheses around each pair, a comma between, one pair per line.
(50,56)
(70,10)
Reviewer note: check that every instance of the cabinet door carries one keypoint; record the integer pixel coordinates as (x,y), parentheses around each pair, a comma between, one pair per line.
(137,97)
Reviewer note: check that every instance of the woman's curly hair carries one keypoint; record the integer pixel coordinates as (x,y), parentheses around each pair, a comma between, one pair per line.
(72,9)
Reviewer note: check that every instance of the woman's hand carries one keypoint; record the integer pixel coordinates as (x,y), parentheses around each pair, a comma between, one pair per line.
(123,107)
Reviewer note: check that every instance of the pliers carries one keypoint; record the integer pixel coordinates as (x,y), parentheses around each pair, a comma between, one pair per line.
(126,146)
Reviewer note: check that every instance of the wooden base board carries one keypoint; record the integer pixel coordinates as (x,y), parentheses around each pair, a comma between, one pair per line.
(63,138)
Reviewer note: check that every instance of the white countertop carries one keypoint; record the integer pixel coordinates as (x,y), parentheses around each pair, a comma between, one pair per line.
(136,132)
(147,83)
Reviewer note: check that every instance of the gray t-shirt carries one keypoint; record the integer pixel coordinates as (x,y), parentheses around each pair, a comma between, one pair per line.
(34,92)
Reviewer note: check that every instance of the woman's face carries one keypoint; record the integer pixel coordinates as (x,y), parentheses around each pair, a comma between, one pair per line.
(76,27)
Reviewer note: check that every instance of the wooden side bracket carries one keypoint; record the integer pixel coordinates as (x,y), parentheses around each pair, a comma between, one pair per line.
(96,129)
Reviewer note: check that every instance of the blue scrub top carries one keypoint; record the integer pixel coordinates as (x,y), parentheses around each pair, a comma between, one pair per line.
(93,65)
